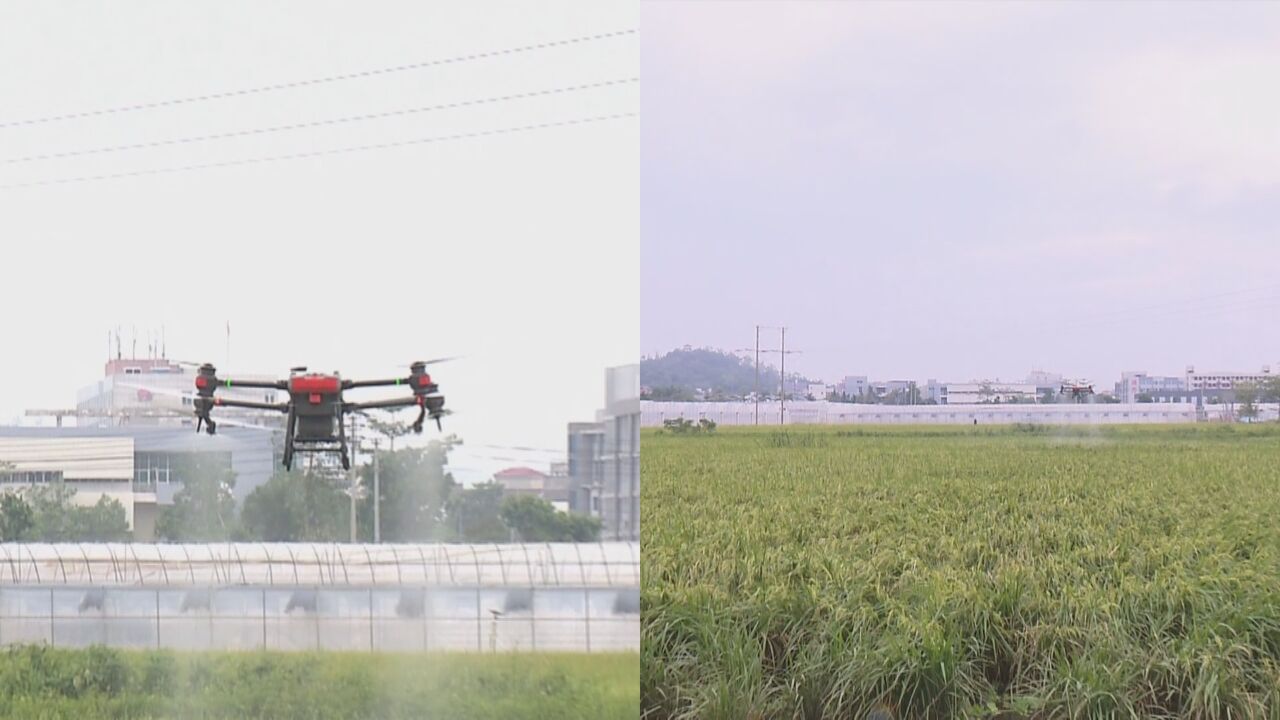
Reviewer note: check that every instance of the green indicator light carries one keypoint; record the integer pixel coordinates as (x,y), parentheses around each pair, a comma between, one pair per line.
(397,381)
(228,383)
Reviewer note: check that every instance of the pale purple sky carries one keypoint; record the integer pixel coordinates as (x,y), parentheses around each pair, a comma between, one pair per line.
(964,190)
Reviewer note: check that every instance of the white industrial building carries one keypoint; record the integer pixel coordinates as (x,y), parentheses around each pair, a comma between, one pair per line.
(134,464)
(156,391)
(985,391)
(653,414)
(1222,380)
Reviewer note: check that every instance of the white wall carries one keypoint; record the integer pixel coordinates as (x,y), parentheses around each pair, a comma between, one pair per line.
(93,466)
(652,414)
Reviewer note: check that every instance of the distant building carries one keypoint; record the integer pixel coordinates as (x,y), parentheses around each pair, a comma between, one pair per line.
(620,462)
(138,465)
(987,391)
(155,391)
(521,481)
(586,447)
(1136,384)
(1224,380)
(1045,380)
(557,488)
(1189,397)
(854,385)
(604,458)
(654,414)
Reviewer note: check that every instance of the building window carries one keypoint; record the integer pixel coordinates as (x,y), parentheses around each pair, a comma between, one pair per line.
(151,469)
(31,477)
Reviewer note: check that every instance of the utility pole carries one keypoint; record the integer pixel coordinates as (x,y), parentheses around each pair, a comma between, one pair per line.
(782,351)
(377,498)
(354,449)
(782,409)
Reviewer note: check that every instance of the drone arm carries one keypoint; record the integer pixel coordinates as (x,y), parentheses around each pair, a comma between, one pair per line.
(266,384)
(225,402)
(382,404)
(348,384)
(433,405)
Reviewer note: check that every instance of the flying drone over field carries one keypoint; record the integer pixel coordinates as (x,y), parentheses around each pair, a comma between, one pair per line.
(316,408)
(1079,391)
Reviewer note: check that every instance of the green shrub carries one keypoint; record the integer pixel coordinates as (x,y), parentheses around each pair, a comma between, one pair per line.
(43,682)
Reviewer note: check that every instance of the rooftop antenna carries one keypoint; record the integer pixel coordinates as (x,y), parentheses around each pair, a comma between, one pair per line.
(163,349)
(118,342)
(135,342)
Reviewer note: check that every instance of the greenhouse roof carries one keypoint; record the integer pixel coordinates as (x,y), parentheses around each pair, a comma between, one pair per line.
(612,564)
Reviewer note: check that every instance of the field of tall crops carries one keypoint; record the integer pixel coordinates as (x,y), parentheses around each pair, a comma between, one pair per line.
(44,683)
(1017,572)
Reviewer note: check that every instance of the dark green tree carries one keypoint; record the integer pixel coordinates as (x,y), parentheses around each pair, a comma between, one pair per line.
(296,506)
(474,514)
(104,521)
(55,518)
(584,528)
(536,520)
(415,489)
(16,517)
(1247,395)
(204,510)
(1269,391)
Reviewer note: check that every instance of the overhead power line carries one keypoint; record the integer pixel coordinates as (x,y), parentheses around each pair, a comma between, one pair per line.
(319,81)
(320,123)
(321,153)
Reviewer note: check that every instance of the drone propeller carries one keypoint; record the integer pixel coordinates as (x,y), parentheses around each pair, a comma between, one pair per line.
(437,361)
(399,367)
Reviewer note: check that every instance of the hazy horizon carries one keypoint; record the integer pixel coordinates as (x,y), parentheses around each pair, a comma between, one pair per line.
(959,191)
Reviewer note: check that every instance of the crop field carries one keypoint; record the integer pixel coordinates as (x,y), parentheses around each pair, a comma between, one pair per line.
(1014,572)
(39,683)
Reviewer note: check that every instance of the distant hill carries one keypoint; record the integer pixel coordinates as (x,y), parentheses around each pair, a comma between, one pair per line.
(679,374)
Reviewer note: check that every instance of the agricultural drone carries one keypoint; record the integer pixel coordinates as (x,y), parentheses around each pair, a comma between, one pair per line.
(316,407)
(1079,391)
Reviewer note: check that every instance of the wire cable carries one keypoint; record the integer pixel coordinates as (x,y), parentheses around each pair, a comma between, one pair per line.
(319,81)
(319,123)
(322,153)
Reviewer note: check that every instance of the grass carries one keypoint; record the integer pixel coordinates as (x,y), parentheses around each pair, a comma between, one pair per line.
(39,683)
(1014,572)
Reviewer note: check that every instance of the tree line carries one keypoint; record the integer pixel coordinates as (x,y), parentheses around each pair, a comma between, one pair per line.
(420,502)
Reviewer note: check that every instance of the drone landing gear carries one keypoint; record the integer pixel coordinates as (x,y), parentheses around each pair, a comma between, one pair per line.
(288,441)
(209,425)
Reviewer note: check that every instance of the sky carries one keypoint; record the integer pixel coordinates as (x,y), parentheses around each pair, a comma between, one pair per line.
(964,190)
(515,249)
